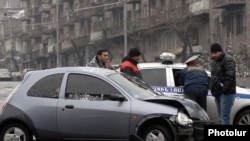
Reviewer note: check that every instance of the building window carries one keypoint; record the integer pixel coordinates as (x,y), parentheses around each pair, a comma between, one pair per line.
(239,24)
(230,25)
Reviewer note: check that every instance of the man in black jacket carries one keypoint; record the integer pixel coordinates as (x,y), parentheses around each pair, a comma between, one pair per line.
(223,82)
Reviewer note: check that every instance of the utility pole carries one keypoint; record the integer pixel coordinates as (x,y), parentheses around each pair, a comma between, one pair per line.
(125,26)
(11,46)
(58,61)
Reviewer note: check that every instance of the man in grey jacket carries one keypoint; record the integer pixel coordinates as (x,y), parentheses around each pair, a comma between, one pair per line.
(101,60)
(223,82)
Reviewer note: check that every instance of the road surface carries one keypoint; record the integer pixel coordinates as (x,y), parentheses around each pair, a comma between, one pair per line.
(5,89)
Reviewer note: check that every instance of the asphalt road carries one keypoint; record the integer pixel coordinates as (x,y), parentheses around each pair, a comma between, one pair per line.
(5,89)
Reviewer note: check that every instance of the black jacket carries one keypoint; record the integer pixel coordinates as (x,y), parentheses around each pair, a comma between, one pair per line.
(223,76)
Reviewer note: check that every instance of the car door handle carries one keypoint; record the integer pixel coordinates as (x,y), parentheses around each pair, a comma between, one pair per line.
(69,106)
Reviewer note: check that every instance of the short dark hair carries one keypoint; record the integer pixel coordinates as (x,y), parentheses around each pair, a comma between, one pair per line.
(100,51)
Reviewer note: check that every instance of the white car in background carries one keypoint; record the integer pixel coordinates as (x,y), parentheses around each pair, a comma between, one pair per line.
(5,75)
(163,77)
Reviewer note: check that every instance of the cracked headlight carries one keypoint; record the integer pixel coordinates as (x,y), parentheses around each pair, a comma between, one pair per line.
(183,119)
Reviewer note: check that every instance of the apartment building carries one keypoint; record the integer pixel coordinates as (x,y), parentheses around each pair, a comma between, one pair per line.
(183,27)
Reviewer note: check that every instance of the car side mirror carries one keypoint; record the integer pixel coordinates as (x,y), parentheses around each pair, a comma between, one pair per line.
(117,97)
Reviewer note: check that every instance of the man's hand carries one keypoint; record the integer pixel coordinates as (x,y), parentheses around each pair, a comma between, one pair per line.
(108,64)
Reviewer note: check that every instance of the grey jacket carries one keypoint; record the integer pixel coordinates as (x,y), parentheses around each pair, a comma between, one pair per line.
(96,63)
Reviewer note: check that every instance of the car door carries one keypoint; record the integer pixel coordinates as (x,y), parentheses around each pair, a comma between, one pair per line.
(161,80)
(87,112)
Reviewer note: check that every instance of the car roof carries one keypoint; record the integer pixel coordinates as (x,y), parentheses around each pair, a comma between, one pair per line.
(92,70)
(149,65)
(160,65)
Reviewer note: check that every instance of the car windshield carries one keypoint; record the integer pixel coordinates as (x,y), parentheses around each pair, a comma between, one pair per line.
(134,86)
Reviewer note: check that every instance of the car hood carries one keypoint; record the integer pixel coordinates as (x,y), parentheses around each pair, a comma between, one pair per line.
(193,109)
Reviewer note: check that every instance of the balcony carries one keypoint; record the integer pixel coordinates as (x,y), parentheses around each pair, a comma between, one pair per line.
(115,31)
(66,21)
(116,5)
(26,16)
(96,11)
(35,12)
(45,29)
(96,3)
(36,31)
(133,1)
(45,7)
(150,23)
(80,15)
(24,36)
(52,27)
(200,8)
(229,4)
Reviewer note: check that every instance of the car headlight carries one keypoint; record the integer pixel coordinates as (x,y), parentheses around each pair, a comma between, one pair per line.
(183,119)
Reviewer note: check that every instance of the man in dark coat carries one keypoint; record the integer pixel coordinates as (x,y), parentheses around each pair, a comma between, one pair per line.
(195,81)
(129,63)
(223,82)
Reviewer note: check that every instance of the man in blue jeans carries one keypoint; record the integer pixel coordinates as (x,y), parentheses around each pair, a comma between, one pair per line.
(223,82)
(195,81)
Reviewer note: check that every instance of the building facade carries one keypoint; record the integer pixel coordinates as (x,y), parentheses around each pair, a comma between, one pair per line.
(71,31)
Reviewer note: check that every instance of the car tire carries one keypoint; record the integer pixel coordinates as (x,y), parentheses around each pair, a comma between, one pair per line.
(243,118)
(157,132)
(15,132)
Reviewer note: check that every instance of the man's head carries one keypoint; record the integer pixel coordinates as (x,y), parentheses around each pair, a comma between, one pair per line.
(135,54)
(216,50)
(102,55)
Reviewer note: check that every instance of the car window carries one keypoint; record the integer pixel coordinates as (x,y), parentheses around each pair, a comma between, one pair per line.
(47,87)
(134,86)
(88,88)
(155,77)
(176,74)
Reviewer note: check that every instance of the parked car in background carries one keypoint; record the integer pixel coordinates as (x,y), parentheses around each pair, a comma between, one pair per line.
(164,77)
(25,71)
(87,103)
(16,76)
(5,75)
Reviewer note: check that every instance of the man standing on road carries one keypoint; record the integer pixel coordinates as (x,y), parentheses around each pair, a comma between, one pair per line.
(195,81)
(101,60)
(129,63)
(223,82)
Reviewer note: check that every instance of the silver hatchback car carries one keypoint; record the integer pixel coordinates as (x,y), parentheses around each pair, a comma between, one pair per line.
(84,103)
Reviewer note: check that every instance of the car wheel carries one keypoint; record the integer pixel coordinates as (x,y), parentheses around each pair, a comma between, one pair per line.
(243,118)
(157,133)
(15,132)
